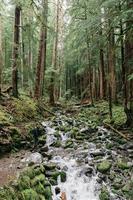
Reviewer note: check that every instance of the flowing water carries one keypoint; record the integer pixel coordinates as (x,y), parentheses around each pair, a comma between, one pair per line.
(83,181)
(77,186)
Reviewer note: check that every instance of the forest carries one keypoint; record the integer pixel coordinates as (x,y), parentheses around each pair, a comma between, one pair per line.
(66,100)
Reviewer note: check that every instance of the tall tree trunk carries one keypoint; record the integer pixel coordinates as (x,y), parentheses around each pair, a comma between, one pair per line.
(89,59)
(1,57)
(129,64)
(54,59)
(41,65)
(111,63)
(16,52)
(22,51)
(102,75)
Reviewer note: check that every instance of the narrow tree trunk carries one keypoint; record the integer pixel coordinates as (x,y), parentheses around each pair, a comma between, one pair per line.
(41,65)
(102,75)
(111,63)
(89,58)
(15,52)
(54,59)
(129,64)
(22,52)
(1,57)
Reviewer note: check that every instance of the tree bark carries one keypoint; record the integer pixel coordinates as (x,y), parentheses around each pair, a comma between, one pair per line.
(102,75)
(129,64)
(16,52)
(54,59)
(111,60)
(41,64)
(1,57)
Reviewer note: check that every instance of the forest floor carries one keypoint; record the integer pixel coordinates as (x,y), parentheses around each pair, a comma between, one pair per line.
(19,116)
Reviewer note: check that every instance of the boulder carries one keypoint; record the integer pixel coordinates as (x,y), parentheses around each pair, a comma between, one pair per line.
(104,166)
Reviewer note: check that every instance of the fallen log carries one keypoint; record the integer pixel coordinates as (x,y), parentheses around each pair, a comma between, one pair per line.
(116,131)
(42,108)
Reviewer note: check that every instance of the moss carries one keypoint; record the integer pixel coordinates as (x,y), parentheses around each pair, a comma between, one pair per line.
(38,179)
(63,176)
(39,188)
(29,194)
(56,144)
(39,170)
(69,144)
(8,193)
(29,172)
(48,193)
(24,182)
(24,109)
(52,181)
(104,195)
(104,166)
(5,118)
(122,164)
(42,139)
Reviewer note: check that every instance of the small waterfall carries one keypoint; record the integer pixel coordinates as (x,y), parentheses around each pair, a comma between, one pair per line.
(77,187)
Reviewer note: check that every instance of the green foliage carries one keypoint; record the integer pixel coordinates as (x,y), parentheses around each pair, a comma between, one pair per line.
(24,109)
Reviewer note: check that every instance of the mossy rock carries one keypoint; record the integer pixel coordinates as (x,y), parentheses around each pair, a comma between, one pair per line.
(57,135)
(68,144)
(39,188)
(63,176)
(38,179)
(104,166)
(29,194)
(48,193)
(56,144)
(122,164)
(8,193)
(50,166)
(104,195)
(117,183)
(42,139)
(29,172)
(41,197)
(52,181)
(38,170)
(24,183)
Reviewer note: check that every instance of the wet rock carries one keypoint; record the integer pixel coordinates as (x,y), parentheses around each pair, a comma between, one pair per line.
(46,155)
(101,178)
(44,148)
(56,144)
(35,158)
(49,166)
(97,153)
(123,164)
(55,174)
(88,171)
(104,195)
(68,144)
(42,139)
(104,166)
(118,183)
(129,146)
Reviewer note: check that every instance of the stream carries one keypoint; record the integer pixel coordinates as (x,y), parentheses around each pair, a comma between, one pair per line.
(77,149)
(79,161)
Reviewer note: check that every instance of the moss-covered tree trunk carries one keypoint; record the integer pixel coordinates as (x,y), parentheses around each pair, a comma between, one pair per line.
(1,63)
(54,58)
(129,64)
(16,51)
(41,64)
